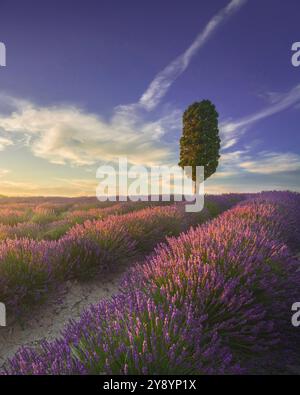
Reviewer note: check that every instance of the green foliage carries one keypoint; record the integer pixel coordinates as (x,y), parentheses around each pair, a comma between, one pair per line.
(55,233)
(200,142)
(43,218)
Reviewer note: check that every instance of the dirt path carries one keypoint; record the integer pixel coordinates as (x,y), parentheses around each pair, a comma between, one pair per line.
(49,320)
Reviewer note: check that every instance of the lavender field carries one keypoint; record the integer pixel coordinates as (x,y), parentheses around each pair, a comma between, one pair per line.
(201,293)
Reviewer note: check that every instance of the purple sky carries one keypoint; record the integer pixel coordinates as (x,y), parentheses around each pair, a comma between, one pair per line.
(72,64)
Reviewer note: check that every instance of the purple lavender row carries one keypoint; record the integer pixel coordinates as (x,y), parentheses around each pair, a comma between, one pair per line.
(31,269)
(203,303)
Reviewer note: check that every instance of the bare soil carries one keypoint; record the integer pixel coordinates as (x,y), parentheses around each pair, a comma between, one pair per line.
(48,321)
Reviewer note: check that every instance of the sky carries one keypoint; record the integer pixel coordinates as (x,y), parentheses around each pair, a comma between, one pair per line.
(87,82)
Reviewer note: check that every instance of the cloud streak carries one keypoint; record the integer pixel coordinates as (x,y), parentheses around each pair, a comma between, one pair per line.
(67,134)
(231,131)
(241,162)
(163,80)
(272,163)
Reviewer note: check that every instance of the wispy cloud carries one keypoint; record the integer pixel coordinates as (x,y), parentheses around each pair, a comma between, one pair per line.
(5,142)
(241,162)
(243,171)
(229,163)
(272,163)
(67,134)
(232,130)
(164,79)
(4,172)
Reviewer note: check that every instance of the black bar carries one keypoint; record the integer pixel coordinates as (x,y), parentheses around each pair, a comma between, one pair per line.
(135,384)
